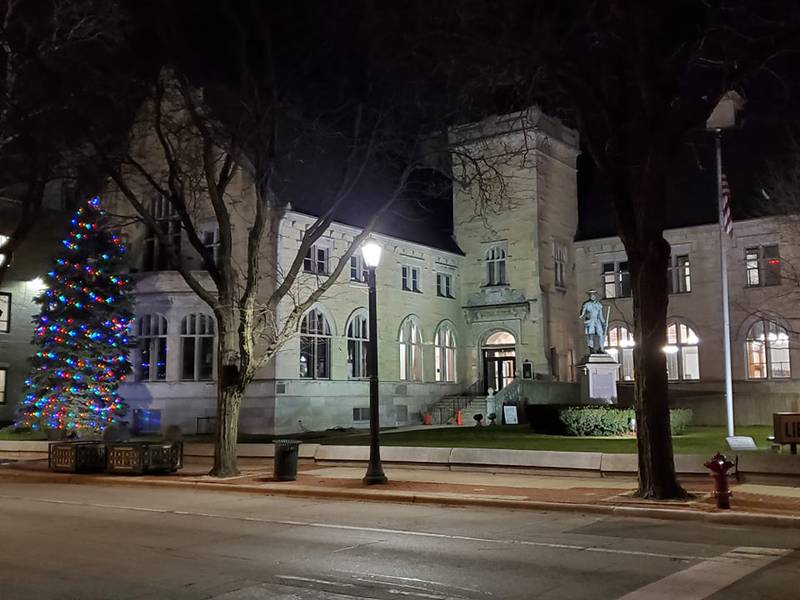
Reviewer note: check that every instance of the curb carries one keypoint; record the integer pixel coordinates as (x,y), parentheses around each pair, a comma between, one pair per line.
(720,518)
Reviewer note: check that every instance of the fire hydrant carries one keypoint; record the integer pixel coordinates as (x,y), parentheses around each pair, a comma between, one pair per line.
(719,466)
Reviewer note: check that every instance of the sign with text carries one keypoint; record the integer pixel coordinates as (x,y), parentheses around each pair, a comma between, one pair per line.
(510,415)
(786,426)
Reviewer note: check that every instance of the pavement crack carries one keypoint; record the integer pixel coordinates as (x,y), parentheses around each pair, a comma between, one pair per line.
(361,545)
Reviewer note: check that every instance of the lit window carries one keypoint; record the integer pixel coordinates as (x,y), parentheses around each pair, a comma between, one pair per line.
(445,345)
(197,347)
(762,266)
(5,312)
(680,280)
(156,256)
(496,266)
(410,278)
(616,279)
(315,346)
(444,285)
(3,240)
(620,344)
(767,348)
(152,343)
(410,350)
(683,356)
(560,264)
(357,346)
(358,270)
(316,259)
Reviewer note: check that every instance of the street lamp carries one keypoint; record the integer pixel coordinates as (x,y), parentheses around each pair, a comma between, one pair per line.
(371,253)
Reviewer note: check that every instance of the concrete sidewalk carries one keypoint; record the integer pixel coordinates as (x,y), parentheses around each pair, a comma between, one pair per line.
(752,504)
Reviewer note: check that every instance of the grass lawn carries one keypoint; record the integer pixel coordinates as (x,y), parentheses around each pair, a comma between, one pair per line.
(696,440)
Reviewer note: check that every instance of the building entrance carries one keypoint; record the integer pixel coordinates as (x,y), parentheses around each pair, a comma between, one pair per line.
(499,361)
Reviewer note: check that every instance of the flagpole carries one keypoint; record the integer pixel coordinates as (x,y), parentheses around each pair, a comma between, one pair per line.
(726,319)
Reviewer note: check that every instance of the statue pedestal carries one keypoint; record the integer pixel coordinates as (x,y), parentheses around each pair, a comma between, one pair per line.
(599,379)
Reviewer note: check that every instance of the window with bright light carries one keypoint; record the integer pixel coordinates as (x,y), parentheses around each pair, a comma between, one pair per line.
(683,356)
(444,285)
(315,346)
(157,256)
(3,240)
(410,278)
(616,279)
(762,266)
(445,346)
(197,347)
(680,277)
(767,347)
(5,312)
(620,344)
(410,350)
(496,266)
(152,345)
(358,270)
(357,345)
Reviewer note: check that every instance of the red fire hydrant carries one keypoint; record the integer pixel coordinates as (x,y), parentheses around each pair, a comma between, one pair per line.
(719,466)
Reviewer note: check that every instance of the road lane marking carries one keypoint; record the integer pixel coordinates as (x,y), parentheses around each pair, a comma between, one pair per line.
(377,530)
(706,578)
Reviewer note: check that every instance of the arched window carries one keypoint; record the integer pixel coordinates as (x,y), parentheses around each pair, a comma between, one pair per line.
(197,347)
(496,266)
(683,356)
(315,346)
(410,350)
(767,348)
(445,343)
(357,342)
(619,344)
(152,343)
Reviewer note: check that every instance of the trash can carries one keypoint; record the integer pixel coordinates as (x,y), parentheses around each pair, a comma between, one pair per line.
(286,452)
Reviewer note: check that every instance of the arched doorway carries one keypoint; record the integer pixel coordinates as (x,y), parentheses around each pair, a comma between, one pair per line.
(499,360)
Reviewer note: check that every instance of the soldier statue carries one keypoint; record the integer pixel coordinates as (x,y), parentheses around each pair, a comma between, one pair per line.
(595,322)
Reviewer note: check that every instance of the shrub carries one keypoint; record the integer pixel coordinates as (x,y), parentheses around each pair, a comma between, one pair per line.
(594,420)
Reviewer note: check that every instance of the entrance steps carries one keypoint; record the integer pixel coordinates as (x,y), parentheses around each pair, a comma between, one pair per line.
(445,411)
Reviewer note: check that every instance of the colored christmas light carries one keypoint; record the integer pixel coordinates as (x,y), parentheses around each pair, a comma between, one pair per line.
(81,333)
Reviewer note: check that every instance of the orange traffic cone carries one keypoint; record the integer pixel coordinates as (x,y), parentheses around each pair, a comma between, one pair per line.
(427,418)
(458,418)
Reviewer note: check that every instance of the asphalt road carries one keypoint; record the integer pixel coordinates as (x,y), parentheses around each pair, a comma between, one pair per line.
(86,542)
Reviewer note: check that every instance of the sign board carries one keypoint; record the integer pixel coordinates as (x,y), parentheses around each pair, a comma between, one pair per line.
(741,443)
(602,385)
(510,415)
(786,426)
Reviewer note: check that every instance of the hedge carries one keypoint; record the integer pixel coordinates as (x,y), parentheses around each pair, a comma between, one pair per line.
(594,420)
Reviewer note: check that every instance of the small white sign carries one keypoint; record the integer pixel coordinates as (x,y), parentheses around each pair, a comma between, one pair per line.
(741,442)
(510,415)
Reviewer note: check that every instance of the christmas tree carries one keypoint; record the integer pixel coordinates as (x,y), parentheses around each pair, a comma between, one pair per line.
(81,333)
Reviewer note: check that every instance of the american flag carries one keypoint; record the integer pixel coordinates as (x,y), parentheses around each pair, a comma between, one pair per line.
(725,220)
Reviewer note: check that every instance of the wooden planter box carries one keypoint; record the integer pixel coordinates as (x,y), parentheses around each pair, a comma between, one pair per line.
(144,457)
(77,457)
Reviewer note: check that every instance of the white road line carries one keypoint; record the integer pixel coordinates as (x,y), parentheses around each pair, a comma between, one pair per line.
(378,530)
(706,578)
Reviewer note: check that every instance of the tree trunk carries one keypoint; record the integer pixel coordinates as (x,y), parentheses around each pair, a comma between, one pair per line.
(648,264)
(230,392)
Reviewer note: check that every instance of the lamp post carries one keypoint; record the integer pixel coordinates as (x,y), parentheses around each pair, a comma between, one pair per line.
(724,117)
(371,253)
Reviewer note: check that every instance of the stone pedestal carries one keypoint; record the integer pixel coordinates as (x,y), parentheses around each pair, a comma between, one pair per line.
(599,374)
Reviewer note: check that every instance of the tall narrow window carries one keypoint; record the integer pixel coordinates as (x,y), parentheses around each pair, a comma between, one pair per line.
(616,279)
(3,240)
(445,343)
(683,356)
(410,350)
(496,266)
(358,270)
(560,264)
(620,344)
(762,265)
(315,346)
(316,259)
(357,344)
(211,241)
(3,378)
(444,285)
(152,343)
(409,278)
(5,312)
(157,256)
(197,347)
(680,279)
(767,348)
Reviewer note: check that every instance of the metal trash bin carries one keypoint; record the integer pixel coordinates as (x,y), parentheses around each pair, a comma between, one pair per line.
(286,452)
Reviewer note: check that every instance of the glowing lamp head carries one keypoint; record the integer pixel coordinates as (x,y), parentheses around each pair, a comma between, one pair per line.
(371,251)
